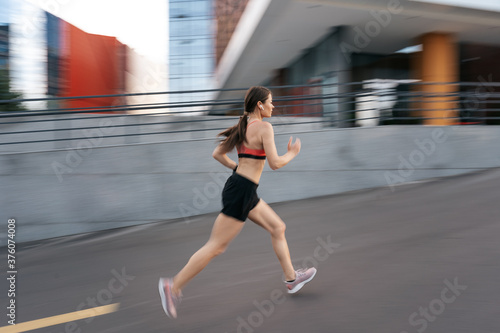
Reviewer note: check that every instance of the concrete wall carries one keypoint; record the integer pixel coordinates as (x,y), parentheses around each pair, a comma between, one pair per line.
(97,130)
(69,191)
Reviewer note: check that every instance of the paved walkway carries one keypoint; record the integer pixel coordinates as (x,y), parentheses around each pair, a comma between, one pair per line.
(424,258)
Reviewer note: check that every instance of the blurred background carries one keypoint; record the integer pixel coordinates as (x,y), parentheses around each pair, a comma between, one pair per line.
(109,110)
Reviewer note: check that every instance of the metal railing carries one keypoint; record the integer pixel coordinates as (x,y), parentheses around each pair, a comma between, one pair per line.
(166,115)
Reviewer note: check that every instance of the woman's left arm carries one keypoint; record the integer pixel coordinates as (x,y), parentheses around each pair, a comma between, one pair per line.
(221,156)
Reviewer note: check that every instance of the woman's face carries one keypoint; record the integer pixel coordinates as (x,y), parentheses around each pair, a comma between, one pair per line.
(268,107)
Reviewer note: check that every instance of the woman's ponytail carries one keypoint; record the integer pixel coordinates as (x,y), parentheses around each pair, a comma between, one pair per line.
(236,134)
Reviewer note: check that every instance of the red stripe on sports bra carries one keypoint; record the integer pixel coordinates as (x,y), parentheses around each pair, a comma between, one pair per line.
(252,122)
(244,151)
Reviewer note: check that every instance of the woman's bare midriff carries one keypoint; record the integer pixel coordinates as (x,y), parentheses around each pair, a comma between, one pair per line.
(250,168)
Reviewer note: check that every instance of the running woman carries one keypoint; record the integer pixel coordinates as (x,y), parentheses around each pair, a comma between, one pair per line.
(254,141)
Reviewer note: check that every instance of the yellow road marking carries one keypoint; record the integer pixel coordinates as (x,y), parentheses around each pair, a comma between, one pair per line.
(60,319)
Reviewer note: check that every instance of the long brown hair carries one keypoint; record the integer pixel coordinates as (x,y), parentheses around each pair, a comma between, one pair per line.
(236,135)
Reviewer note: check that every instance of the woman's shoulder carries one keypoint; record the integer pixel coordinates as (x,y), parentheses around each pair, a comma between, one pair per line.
(265,129)
(261,127)
(266,125)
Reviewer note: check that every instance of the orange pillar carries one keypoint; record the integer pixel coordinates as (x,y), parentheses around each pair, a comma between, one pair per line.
(438,67)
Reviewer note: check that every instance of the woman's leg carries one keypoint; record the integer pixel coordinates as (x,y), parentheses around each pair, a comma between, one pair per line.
(267,218)
(225,229)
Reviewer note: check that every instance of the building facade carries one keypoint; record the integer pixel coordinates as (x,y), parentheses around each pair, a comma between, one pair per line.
(4,46)
(290,42)
(49,57)
(191,51)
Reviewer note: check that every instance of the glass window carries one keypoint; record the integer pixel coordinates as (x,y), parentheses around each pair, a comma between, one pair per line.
(194,28)
(322,58)
(190,9)
(192,49)
(4,13)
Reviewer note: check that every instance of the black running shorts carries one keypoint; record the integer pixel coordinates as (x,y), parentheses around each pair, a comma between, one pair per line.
(239,197)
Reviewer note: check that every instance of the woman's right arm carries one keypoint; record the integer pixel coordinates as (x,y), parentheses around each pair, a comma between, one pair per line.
(276,161)
(222,157)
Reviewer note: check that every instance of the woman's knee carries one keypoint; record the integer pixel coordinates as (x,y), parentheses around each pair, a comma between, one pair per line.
(217,249)
(279,229)
(220,250)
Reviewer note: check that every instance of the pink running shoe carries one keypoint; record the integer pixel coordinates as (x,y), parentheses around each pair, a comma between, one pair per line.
(169,301)
(302,276)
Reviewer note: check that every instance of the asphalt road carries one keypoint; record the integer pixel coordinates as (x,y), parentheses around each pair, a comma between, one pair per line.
(424,258)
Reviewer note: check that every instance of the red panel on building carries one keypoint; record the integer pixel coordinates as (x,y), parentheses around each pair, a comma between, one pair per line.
(93,65)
